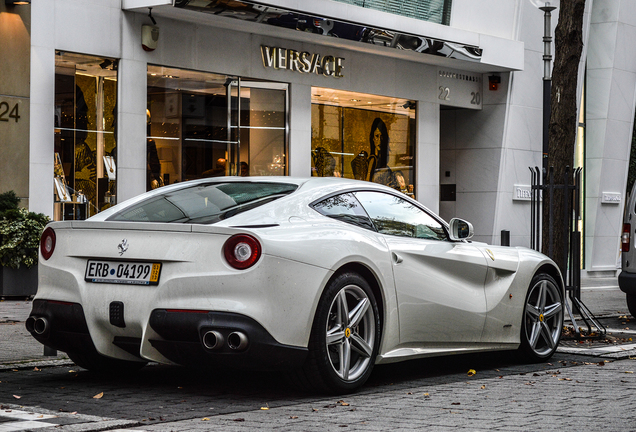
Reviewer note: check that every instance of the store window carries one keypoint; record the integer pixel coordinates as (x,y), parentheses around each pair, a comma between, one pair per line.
(364,137)
(208,125)
(85,169)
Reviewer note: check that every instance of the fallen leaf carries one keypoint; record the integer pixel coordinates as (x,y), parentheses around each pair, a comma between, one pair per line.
(264,408)
(239,419)
(483,387)
(206,419)
(601,363)
(35,369)
(314,409)
(40,416)
(71,371)
(293,417)
(629,371)
(471,372)
(456,403)
(17,397)
(99,395)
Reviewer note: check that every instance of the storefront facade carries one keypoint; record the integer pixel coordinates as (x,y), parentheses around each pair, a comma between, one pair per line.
(125,98)
(216,95)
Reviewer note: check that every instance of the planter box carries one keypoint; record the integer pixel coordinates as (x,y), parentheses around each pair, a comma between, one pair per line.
(22,282)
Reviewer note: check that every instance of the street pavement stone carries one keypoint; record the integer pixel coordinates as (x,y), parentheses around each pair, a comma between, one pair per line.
(571,393)
(591,396)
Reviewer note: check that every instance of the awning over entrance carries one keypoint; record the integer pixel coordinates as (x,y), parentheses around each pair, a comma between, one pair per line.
(348,27)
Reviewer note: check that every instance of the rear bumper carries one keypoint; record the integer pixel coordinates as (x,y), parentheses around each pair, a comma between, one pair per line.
(182,342)
(65,327)
(627,282)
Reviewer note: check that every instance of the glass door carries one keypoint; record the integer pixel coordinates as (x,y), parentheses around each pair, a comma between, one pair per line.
(208,125)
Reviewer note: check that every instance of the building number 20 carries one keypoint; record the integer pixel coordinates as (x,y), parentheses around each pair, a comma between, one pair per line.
(6,112)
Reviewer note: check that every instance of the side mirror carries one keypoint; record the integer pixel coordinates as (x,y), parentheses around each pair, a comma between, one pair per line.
(460,229)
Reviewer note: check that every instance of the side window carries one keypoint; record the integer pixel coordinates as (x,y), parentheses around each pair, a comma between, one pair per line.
(346,208)
(394,216)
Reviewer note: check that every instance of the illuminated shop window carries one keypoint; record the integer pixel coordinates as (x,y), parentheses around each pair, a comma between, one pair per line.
(85,156)
(207,125)
(364,137)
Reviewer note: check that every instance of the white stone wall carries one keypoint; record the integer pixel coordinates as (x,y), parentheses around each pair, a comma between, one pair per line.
(611,89)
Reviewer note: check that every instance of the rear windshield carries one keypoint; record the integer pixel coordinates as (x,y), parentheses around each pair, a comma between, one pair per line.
(205,203)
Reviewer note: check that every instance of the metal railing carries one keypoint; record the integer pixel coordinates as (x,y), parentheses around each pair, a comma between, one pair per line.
(569,257)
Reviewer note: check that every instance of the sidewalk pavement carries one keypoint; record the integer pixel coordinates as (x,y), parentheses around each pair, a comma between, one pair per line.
(17,346)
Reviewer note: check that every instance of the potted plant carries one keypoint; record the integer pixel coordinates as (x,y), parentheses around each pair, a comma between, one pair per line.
(20,232)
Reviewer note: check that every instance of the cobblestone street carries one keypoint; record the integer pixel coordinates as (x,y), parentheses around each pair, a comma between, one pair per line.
(588,385)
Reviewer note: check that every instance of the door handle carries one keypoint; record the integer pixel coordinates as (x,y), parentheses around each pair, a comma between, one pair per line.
(396,258)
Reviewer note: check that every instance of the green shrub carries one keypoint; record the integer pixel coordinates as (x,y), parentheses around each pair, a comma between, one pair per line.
(20,232)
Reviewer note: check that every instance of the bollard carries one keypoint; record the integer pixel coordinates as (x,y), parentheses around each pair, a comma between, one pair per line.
(505,238)
(48,351)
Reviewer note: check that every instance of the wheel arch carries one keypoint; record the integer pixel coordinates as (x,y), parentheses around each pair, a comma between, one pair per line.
(371,278)
(553,271)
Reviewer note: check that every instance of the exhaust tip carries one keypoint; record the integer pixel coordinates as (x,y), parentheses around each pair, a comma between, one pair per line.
(30,324)
(41,325)
(237,341)
(213,340)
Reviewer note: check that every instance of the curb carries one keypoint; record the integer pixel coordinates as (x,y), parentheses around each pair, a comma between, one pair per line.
(30,364)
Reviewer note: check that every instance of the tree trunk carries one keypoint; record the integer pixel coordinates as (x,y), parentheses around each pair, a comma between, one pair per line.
(563,124)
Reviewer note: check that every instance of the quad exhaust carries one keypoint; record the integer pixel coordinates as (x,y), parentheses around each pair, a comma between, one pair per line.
(213,340)
(37,325)
(237,341)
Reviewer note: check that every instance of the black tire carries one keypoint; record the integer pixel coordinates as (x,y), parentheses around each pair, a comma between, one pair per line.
(97,363)
(334,337)
(631,304)
(542,320)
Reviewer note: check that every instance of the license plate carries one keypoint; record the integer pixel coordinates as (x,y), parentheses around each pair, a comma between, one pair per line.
(122,272)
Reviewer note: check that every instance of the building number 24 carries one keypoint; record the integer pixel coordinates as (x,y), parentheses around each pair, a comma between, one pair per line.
(6,112)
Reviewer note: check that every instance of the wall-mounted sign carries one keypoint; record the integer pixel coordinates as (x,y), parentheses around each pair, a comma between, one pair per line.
(459,89)
(611,198)
(522,193)
(302,61)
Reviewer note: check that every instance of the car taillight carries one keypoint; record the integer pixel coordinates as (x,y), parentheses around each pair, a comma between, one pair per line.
(47,243)
(242,251)
(625,238)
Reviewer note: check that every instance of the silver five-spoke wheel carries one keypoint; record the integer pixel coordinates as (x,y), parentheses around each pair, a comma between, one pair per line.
(350,332)
(542,318)
(345,337)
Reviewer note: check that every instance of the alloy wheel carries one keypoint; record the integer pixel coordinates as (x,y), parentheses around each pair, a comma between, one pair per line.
(350,332)
(543,317)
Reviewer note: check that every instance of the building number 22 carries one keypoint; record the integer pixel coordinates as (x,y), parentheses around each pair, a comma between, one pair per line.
(6,112)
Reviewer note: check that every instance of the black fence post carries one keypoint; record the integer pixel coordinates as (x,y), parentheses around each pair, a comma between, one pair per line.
(569,257)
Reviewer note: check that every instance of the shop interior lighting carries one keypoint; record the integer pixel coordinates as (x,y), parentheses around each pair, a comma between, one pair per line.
(17,2)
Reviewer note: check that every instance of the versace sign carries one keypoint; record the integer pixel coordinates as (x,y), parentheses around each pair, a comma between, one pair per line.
(303,62)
